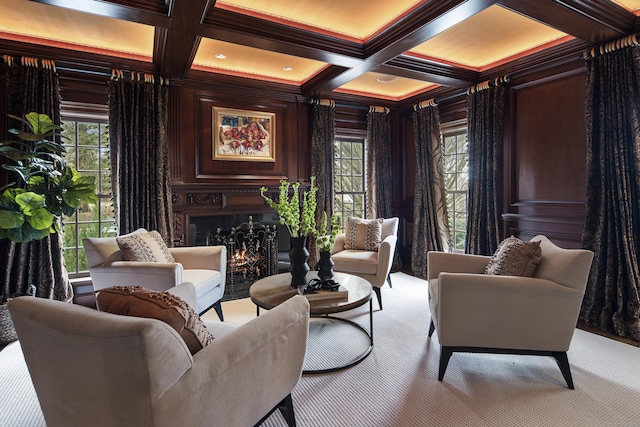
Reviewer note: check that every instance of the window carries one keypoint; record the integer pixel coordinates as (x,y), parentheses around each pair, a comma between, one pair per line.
(349,178)
(87,144)
(456,172)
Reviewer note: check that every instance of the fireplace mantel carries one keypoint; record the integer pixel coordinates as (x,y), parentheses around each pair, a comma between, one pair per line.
(199,200)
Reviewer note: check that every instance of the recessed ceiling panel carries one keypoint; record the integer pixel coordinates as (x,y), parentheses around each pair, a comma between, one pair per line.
(487,38)
(254,63)
(55,26)
(385,86)
(356,20)
(632,5)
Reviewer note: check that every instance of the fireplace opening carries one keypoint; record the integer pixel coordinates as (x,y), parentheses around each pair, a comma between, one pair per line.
(257,246)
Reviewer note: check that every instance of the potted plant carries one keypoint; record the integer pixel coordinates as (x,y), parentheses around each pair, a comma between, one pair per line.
(300,221)
(45,187)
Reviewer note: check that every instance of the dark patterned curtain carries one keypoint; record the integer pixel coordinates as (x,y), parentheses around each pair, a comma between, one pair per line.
(323,126)
(612,226)
(139,153)
(430,218)
(379,163)
(485,115)
(380,169)
(32,85)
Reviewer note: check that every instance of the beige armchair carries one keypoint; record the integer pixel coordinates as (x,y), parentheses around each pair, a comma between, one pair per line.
(204,266)
(479,313)
(91,368)
(373,266)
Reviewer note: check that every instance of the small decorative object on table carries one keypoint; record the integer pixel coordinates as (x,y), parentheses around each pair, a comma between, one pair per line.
(300,220)
(319,289)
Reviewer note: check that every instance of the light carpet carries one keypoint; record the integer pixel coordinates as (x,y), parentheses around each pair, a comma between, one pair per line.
(397,384)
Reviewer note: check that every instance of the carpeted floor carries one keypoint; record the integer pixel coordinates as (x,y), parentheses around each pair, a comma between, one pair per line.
(397,384)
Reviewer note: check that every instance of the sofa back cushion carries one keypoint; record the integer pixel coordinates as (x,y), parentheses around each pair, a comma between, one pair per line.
(568,267)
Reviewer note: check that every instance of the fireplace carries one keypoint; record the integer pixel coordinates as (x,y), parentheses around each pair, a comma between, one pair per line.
(257,246)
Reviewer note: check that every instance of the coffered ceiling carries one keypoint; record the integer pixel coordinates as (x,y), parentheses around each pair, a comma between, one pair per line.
(387,50)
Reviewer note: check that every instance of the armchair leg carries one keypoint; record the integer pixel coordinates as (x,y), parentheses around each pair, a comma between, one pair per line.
(379,295)
(432,327)
(445,355)
(563,364)
(389,280)
(218,308)
(286,409)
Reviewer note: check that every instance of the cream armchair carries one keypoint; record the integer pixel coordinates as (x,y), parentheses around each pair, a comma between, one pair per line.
(373,266)
(479,313)
(91,368)
(204,266)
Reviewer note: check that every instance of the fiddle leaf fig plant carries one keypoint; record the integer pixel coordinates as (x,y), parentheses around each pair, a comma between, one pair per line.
(46,187)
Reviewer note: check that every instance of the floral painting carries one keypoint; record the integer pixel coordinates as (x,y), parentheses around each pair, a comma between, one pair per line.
(243,135)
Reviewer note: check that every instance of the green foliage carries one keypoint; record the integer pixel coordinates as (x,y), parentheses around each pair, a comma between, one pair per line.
(300,220)
(327,238)
(46,188)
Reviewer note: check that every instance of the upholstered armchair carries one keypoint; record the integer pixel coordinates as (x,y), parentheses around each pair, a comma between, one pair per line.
(482,313)
(204,266)
(91,368)
(372,265)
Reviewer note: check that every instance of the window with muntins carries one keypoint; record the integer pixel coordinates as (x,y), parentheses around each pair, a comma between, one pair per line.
(456,172)
(86,139)
(349,178)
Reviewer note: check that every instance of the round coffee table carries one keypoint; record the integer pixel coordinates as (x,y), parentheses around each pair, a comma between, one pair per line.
(273,290)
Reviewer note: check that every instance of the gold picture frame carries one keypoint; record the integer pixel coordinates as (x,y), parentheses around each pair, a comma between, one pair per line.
(244,135)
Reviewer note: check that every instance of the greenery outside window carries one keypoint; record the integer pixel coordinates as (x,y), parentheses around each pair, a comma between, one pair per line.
(87,145)
(456,172)
(349,178)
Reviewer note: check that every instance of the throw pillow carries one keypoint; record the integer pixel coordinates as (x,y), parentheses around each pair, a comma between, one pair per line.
(141,302)
(515,257)
(145,247)
(363,234)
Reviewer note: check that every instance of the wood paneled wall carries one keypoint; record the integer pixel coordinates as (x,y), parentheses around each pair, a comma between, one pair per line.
(546,158)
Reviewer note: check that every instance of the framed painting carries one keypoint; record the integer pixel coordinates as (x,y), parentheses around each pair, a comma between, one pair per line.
(244,135)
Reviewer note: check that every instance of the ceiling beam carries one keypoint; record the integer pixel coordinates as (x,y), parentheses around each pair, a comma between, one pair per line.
(232,27)
(430,71)
(406,35)
(176,46)
(130,11)
(595,21)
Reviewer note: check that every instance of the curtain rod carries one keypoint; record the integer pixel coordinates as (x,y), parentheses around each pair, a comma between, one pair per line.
(631,40)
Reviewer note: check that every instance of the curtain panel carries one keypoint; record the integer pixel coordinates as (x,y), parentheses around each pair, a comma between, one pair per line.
(612,223)
(32,85)
(430,217)
(322,136)
(379,169)
(485,115)
(139,154)
(379,164)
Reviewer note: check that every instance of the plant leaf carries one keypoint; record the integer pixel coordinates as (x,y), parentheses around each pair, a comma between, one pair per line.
(40,219)
(10,219)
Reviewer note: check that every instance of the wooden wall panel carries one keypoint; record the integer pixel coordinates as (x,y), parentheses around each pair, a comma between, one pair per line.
(550,140)
(546,158)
